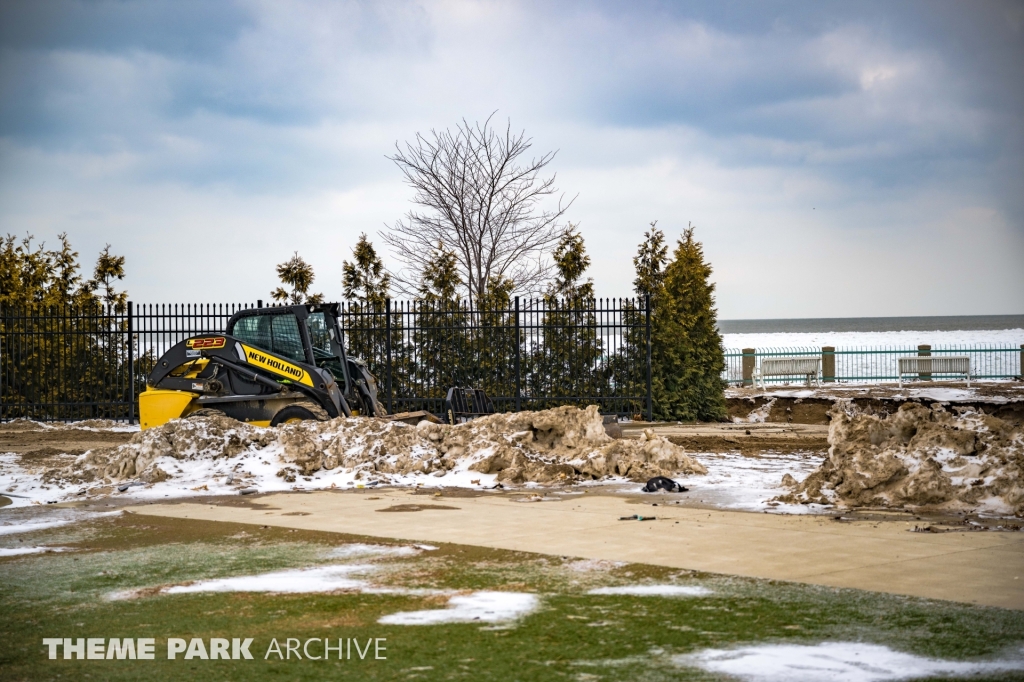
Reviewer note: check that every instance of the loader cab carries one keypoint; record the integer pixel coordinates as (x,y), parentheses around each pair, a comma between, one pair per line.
(303,333)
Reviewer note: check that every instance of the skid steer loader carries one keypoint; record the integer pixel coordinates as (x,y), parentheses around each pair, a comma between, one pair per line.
(274,365)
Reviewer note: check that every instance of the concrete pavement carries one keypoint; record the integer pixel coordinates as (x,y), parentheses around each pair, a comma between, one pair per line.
(976,567)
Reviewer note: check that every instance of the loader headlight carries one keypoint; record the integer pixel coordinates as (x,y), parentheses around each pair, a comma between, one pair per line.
(241,353)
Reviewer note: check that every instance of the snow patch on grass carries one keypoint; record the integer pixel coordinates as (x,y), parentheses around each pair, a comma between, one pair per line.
(834,661)
(482,607)
(590,565)
(17,551)
(360,549)
(45,518)
(296,581)
(654,590)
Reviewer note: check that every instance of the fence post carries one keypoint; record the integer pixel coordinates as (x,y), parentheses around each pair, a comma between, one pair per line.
(828,363)
(131,365)
(387,337)
(1020,370)
(749,362)
(518,384)
(647,315)
(925,351)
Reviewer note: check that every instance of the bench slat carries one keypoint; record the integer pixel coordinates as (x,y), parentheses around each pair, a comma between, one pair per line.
(929,364)
(779,367)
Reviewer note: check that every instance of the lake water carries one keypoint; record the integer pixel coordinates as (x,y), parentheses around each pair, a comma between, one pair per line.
(1003,331)
(875,324)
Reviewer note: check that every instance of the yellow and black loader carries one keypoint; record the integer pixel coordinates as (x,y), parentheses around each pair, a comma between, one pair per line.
(274,365)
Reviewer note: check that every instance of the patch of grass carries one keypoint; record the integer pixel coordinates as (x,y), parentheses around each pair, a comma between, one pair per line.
(574,636)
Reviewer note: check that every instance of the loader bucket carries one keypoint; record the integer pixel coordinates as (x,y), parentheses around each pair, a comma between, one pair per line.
(158,406)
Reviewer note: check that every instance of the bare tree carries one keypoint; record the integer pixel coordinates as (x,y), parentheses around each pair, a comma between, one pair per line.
(481,198)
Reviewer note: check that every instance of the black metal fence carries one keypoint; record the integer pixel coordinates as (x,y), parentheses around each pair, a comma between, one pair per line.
(61,364)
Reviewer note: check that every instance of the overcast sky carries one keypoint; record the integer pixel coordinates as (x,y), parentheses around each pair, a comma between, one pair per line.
(838,158)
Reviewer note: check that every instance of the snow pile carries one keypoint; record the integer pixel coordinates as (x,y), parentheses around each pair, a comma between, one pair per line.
(752,483)
(552,446)
(479,607)
(758,415)
(919,456)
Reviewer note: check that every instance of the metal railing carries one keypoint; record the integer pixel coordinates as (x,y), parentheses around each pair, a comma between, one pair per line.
(533,354)
(67,364)
(874,365)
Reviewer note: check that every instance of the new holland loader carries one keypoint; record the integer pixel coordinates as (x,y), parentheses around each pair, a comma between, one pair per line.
(274,365)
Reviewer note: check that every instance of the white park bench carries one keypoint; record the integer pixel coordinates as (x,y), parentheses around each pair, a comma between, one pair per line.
(809,367)
(945,364)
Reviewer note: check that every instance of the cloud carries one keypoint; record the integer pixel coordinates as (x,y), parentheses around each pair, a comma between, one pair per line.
(785,131)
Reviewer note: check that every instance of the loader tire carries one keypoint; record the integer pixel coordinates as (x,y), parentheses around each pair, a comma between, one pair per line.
(206,412)
(300,411)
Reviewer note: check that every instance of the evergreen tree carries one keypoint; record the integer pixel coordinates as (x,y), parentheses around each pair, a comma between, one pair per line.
(571,262)
(497,295)
(49,302)
(566,363)
(297,274)
(687,348)
(35,275)
(26,273)
(66,287)
(629,366)
(440,335)
(364,279)
(440,280)
(649,263)
(366,284)
(493,363)
(109,268)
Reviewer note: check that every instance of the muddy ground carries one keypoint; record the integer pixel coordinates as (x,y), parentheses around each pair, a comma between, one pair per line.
(783,409)
(39,447)
(55,447)
(779,425)
(36,443)
(748,439)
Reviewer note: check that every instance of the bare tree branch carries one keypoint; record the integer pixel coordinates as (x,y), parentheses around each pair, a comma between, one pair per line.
(479,196)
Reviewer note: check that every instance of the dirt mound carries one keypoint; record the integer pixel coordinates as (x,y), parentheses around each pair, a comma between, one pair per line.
(99,424)
(559,445)
(919,456)
(19,425)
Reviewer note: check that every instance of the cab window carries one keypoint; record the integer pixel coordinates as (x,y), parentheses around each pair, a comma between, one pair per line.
(287,341)
(319,334)
(320,338)
(254,330)
(275,333)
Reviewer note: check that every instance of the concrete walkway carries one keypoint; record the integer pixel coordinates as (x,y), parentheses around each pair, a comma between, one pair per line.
(976,567)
